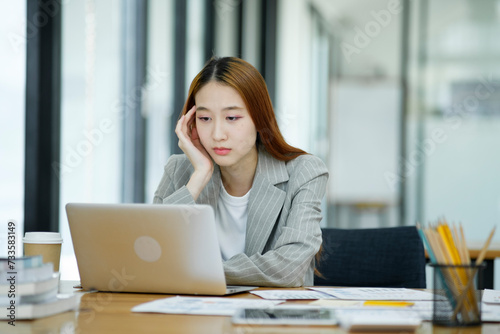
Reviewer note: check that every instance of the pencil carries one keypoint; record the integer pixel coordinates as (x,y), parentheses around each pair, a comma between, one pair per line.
(479,260)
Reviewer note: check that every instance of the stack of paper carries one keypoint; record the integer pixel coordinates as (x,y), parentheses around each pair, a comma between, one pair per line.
(28,289)
(376,293)
(203,306)
(361,299)
(490,306)
(291,294)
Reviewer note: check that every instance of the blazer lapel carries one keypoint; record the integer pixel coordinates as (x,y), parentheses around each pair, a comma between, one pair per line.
(265,203)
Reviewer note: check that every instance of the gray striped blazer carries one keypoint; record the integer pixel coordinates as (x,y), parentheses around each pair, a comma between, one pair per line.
(283,228)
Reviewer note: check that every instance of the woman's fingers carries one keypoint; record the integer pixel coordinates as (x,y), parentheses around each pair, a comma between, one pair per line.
(189,141)
(182,128)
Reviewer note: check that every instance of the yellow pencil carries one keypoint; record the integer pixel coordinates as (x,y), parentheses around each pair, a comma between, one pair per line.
(387,303)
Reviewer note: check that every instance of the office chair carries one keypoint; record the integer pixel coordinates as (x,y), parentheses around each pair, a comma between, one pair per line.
(376,257)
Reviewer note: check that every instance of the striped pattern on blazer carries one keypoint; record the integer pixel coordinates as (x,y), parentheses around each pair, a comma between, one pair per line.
(284,213)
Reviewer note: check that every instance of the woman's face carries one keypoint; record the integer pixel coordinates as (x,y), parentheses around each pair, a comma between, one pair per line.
(224,125)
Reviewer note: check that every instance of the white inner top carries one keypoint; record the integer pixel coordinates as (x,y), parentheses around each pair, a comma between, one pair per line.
(231,220)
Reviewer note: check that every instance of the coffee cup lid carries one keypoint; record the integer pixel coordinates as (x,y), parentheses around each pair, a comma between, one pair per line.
(42,238)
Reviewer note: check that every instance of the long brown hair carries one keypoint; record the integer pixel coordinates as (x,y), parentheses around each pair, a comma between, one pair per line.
(249,83)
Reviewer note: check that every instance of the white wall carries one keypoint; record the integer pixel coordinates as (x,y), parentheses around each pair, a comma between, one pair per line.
(365,141)
(463,176)
(293,72)
(370,36)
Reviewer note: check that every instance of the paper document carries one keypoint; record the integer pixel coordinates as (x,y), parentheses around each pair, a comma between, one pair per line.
(203,306)
(423,308)
(490,312)
(490,307)
(491,296)
(291,294)
(337,303)
(376,293)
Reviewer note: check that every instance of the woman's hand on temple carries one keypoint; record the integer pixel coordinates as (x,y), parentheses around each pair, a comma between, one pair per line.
(190,144)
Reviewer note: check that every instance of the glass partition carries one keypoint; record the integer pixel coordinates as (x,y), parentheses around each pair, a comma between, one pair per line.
(455,142)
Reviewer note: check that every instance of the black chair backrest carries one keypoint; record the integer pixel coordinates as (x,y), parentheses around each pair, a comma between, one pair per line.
(378,257)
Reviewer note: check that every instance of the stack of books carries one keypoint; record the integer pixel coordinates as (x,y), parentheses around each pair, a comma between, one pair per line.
(29,290)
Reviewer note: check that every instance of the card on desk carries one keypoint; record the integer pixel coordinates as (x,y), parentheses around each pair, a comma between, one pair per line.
(357,320)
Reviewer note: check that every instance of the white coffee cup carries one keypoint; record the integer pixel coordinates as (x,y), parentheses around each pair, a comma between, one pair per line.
(47,244)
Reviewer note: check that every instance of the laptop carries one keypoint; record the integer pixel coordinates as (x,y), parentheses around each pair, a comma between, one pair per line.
(147,248)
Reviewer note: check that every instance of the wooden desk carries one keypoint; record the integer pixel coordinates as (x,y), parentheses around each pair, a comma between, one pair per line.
(110,313)
(492,253)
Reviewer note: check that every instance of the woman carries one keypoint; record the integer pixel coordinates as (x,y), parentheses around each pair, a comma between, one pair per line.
(265,193)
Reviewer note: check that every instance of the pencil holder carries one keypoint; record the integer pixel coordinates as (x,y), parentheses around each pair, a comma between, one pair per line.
(457,301)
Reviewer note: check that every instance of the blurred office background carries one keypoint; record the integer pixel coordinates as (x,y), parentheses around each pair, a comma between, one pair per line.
(401,99)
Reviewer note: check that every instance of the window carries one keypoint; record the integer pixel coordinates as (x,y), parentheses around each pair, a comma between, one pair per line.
(12,117)
(91,111)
